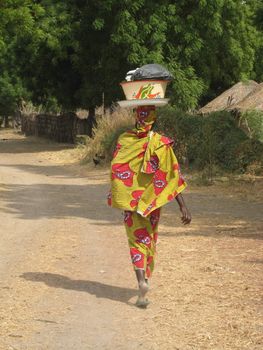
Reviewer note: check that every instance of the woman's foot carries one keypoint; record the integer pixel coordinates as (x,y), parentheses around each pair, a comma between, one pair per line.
(142,303)
(143,289)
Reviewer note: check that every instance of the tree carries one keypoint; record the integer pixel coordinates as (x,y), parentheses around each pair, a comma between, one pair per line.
(11,85)
(68,54)
(216,40)
(135,33)
(207,45)
(50,75)
(258,20)
(35,39)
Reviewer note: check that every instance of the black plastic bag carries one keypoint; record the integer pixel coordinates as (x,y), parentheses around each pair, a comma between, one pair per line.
(150,72)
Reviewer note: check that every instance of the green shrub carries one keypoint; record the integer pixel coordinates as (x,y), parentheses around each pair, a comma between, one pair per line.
(209,142)
(252,122)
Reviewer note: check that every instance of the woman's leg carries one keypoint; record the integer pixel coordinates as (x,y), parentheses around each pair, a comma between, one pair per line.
(141,233)
(139,240)
(154,221)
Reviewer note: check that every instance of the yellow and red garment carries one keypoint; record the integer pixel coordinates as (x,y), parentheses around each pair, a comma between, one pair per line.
(142,236)
(145,173)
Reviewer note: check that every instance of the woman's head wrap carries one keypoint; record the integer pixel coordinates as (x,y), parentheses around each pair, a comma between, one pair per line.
(145,118)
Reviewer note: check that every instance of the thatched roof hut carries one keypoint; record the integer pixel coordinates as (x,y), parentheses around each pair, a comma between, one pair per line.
(253,101)
(230,97)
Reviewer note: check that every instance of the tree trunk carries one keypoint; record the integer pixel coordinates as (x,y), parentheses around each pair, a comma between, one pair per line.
(91,120)
(6,122)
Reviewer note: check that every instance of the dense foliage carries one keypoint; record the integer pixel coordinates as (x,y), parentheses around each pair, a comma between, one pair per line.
(215,141)
(211,144)
(69,54)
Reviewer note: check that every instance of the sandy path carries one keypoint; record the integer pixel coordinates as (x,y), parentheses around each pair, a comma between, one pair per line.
(65,275)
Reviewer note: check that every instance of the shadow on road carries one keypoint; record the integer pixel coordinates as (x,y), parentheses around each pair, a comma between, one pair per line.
(88,201)
(217,218)
(54,171)
(64,171)
(51,201)
(101,290)
(214,214)
(21,144)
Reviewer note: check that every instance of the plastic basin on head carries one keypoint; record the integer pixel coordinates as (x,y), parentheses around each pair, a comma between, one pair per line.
(144,89)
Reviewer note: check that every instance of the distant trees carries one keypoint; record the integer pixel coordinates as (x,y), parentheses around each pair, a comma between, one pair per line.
(33,51)
(258,21)
(224,40)
(11,85)
(67,54)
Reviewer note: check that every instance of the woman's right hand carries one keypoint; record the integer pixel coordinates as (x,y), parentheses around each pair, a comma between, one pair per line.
(186,215)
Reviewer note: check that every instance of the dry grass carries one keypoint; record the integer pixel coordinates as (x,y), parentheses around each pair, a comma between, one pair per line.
(107,129)
(28,108)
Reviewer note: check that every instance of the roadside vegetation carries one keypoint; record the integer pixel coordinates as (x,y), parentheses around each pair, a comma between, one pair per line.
(105,134)
(59,56)
(213,144)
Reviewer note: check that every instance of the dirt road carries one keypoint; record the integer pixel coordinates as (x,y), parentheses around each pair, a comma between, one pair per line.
(65,276)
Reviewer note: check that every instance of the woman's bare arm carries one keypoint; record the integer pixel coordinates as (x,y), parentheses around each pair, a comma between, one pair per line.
(186,215)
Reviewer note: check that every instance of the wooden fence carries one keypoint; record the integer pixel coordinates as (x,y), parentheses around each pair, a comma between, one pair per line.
(60,128)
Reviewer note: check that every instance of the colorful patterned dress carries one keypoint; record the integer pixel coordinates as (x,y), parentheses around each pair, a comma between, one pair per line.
(145,175)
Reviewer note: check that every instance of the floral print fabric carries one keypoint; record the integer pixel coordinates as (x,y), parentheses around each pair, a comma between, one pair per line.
(145,173)
(142,236)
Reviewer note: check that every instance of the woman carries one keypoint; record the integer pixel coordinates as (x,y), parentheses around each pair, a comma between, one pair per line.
(145,175)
